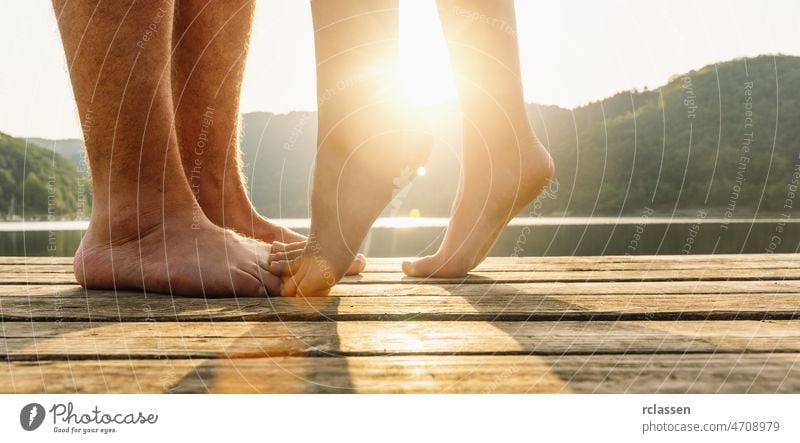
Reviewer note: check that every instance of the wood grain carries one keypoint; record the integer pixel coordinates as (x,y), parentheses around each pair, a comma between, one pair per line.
(31,341)
(692,373)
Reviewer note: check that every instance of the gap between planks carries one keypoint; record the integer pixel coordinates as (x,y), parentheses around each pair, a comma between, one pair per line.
(404,308)
(481,289)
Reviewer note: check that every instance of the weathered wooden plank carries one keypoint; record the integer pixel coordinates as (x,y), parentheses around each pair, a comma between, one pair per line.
(508,264)
(692,373)
(39,278)
(476,289)
(11,260)
(48,341)
(661,262)
(107,307)
(35,268)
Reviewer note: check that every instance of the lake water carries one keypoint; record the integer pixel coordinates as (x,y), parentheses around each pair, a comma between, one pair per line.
(534,236)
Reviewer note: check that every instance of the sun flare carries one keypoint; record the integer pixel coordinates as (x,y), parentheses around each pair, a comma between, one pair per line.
(423,61)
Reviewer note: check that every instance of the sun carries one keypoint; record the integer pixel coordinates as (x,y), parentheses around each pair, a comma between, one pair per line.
(423,61)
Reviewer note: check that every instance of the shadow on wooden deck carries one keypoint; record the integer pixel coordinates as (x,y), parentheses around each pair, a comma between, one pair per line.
(572,324)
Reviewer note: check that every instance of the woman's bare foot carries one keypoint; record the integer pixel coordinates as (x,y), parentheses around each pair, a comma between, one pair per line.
(365,139)
(355,177)
(504,166)
(181,256)
(237,213)
(496,183)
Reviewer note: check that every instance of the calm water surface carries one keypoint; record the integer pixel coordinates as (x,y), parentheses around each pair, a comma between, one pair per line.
(538,236)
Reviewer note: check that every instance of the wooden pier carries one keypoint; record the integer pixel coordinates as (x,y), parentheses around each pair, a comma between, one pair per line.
(651,324)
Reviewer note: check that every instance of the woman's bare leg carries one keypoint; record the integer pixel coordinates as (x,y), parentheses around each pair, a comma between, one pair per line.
(144,231)
(504,166)
(364,141)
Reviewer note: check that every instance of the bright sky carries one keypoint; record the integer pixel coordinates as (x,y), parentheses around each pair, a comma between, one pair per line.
(572,52)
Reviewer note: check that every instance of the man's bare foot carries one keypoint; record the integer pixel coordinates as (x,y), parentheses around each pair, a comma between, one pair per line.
(145,230)
(239,215)
(496,183)
(180,256)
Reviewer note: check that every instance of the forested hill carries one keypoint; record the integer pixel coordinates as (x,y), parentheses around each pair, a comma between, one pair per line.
(39,184)
(724,139)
